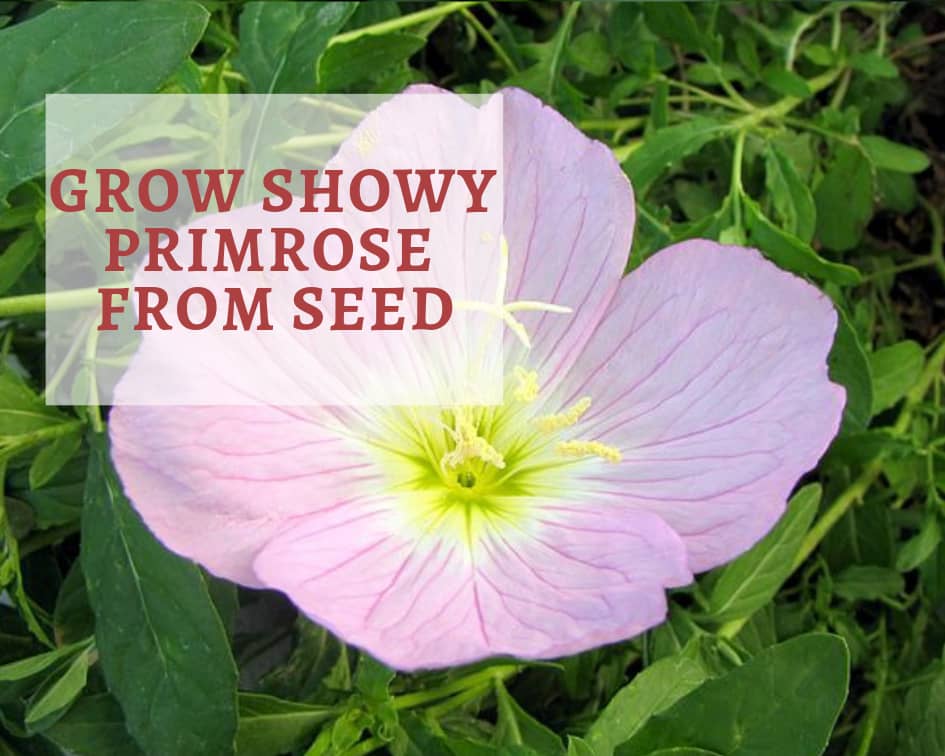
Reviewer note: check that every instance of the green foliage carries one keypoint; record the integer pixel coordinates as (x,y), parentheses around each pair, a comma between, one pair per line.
(155,627)
(349,64)
(763,706)
(281,42)
(805,129)
(120,47)
(269,725)
(747,584)
(651,692)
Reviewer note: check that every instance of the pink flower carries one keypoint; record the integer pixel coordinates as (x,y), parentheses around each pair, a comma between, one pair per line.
(655,432)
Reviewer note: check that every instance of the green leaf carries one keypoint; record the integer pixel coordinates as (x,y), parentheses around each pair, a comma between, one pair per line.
(466,747)
(850,368)
(72,618)
(280,43)
(793,202)
(17,257)
(651,234)
(318,663)
(415,737)
(860,447)
(122,47)
(270,726)
(921,546)
(752,580)
(923,719)
(579,747)
(11,577)
(52,699)
(675,22)
(820,55)
(653,690)
(789,252)
(53,457)
(515,726)
(588,51)
(782,702)
(28,669)
(541,79)
(895,370)
(372,678)
(892,156)
(664,147)
(897,191)
(21,410)
(345,64)
(659,108)
(786,82)
(875,65)
(94,726)
(868,583)
(225,598)
(844,199)
(163,648)
(18,216)
(708,74)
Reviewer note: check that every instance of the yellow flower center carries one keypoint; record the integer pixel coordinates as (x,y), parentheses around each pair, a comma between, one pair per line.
(467,468)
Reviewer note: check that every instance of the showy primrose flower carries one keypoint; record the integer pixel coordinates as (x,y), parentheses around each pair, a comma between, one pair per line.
(653,427)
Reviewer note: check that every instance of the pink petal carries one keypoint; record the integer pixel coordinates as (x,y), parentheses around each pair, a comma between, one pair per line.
(709,374)
(569,217)
(215,483)
(569,211)
(574,577)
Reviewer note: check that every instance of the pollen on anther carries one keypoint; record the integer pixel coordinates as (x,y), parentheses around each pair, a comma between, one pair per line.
(579,448)
(561,420)
(527,388)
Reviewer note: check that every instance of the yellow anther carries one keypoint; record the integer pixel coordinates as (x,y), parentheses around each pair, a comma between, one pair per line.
(527,387)
(552,423)
(589,449)
(469,444)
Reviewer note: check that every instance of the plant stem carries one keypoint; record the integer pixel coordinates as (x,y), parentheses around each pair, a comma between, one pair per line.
(612,124)
(66,363)
(403,22)
(830,134)
(735,192)
(744,106)
(483,32)
(928,41)
(784,106)
(458,700)
(837,100)
(475,680)
(732,93)
(94,409)
(875,704)
(34,304)
(936,253)
(921,262)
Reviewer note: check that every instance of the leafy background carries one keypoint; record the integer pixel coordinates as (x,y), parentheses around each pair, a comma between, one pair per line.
(806,129)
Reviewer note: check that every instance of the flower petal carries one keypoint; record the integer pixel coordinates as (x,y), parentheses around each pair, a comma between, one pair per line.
(571,578)
(709,374)
(215,483)
(569,217)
